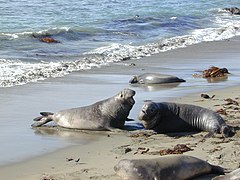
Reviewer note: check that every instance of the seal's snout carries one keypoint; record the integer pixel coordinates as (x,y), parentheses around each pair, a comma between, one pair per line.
(227,131)
(131,101)
(225,70)
(147,112)
(142,116)
(132,93)
(143,111)
(127,95)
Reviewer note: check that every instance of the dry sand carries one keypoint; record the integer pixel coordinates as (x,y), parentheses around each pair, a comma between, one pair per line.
(96,160)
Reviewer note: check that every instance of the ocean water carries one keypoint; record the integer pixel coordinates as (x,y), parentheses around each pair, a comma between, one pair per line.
(92,34)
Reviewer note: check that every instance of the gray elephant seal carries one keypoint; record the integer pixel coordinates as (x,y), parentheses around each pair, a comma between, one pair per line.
(169,167)
(154,78)
(103,115)
(234,175)
(167,117)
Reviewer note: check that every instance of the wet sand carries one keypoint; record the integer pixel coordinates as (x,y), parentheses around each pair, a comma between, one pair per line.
(31,154)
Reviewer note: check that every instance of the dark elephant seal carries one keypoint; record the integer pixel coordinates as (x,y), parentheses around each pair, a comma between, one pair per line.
(154,78)
(165,117)
(234,175)
(106,114)
(169,167)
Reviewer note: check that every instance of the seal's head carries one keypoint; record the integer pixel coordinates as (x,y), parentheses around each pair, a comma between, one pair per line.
(148,114)
(133,80)
(126,96)
(119,107)
(226,131)
(224,70)
(127,169)
(124,168)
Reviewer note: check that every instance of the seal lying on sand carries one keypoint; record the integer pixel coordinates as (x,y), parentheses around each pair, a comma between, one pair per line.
(167,117)
(234,175)
(169,167)
(103,115)
(154,78)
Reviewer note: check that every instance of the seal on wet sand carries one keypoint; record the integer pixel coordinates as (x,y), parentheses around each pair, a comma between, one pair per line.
(165,117)
(169,167)
(103,115)
(155,78)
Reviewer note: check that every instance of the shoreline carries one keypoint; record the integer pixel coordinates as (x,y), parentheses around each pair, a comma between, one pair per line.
(95,160)
(90,86)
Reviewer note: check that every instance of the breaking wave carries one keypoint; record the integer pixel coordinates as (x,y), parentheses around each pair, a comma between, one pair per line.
(47,32)
(17,72)
(14,72)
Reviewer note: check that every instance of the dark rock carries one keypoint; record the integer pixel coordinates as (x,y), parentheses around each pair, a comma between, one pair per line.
(233,10)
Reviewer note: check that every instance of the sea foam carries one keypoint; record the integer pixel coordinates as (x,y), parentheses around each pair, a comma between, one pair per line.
(17,72)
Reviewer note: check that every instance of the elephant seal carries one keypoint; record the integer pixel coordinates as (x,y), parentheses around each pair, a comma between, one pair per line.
(169,167)
(234,175)
(165,117)
(154,78)
(103,115)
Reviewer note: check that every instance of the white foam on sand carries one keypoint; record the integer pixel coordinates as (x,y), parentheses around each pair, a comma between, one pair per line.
(17,72)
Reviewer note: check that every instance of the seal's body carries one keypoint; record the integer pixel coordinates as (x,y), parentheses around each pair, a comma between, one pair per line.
(102,115)
(155,78)
(165,117)
(169,167)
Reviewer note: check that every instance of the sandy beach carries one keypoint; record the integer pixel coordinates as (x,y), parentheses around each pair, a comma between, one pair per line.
(57,154)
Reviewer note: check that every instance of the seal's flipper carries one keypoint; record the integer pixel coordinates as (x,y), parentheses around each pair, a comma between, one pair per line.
(46,113)
(209,134)
(37,118)
(45,118)
(219,170)
(41,122)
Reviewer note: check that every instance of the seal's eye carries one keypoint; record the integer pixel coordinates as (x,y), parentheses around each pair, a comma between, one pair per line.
(152,110)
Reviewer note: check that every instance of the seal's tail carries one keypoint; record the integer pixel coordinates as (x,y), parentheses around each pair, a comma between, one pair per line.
(41,120)
(226,131)
(182,80)
(219,170)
